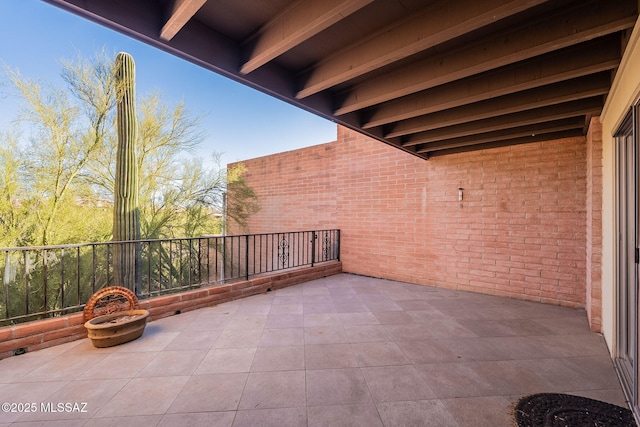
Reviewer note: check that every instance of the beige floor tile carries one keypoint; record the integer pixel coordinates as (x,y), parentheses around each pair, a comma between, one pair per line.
(328,387)
(264,390)
(144,396)
(481,411)
(325,335)
(363,415)
(282,358)
(280,417)
(394,383)
(203,419)
(281,336)
(327,356)
(226,360)
(197,394)
(379,354)
(428,413)
(173,363)
(194,340)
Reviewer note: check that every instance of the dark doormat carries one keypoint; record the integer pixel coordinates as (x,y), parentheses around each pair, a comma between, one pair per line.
(565,410)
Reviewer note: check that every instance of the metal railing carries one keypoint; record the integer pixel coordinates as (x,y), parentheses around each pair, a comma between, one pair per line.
(49,281)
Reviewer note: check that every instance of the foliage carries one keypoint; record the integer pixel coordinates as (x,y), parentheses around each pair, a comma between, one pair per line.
(65,167)
(68,129)
(57,184)
(16,223)
(242,200)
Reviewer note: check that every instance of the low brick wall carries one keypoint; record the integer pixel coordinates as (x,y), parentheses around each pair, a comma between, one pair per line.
(40,334)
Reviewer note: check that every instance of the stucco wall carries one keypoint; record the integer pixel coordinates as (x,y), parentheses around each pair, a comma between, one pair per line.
(624,93)
(519,231)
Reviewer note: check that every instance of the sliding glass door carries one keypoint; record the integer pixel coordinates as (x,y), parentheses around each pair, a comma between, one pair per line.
(627,254)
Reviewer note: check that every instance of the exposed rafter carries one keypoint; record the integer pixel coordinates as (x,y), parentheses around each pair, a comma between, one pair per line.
(570,124)
(429,77)
(509,121)
(298,23)
(181,12)
(558,93)
(566,29)
(565,65)
(434,25)
(495,140)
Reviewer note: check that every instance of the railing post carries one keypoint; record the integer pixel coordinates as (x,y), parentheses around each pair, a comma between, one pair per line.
(61,278)
(314,236)
(78,281)
(6,284)
(45,273)
(246,252)
(338,244)
(27,280)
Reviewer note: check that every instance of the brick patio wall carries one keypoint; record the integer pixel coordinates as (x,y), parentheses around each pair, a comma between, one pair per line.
(594,226)
(520,230)
(305,202)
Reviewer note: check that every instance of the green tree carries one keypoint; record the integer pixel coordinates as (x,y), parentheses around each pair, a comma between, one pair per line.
(67,131)
(67,165)
(16,225)
(242,201)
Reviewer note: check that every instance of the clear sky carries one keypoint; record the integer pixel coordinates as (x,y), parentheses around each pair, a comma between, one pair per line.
(239,122)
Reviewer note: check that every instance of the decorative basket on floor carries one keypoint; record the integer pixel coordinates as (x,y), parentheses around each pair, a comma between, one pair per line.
(112,316)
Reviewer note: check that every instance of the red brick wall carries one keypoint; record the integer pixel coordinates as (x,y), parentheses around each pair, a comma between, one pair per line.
(520,230)
(296,190)
(594,225)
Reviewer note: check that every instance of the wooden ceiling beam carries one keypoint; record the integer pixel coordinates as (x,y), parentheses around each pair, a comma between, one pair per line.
(569,28)
(571,123)
(434,25)
(525,118)
(299,22)
(557,93)
(587,58)
(180,13)
(572,133)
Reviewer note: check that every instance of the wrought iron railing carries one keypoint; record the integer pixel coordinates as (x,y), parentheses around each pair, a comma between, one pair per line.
(48,281)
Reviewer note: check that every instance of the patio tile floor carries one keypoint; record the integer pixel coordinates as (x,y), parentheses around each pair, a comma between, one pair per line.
(345,350)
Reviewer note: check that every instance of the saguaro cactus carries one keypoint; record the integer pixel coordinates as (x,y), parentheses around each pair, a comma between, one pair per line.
(126,214)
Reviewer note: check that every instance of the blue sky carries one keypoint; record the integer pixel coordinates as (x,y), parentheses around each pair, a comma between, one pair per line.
(239,122)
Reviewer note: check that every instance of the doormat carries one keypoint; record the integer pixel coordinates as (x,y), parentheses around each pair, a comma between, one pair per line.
(565,410)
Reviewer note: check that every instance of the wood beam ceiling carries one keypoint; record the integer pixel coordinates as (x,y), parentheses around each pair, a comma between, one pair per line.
(509,121)
(494,141)
(557,93)
(434,25)
(568,124)
(565,29)
(575,62)
(430,77)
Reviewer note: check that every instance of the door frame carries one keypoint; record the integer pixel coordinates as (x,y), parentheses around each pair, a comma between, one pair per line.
(627,229)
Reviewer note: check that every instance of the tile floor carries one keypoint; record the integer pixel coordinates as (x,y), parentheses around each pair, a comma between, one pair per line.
(341,351)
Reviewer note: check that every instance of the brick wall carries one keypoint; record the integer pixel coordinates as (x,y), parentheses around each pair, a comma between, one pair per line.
(594,226)
(519,231)
(309,194)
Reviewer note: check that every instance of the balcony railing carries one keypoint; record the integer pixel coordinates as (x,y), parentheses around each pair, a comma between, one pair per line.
(49,281)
